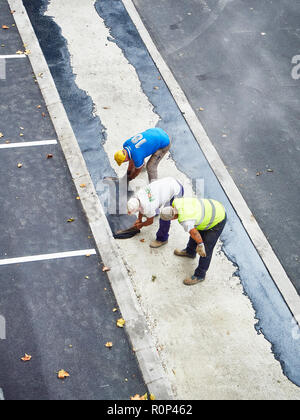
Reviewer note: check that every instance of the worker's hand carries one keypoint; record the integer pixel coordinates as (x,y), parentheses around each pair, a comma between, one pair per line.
(201,250)
(138,224)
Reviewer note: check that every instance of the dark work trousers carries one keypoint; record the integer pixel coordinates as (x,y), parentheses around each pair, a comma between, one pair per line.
(210,238)
(164,226)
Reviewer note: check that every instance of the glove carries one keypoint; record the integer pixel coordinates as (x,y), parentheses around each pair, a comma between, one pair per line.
(201,250)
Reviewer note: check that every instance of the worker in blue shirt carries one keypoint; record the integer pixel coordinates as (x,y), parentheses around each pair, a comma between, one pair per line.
(154,142)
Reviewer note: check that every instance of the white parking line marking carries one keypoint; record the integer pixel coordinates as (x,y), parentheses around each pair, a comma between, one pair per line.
(1,395)
(44,257)
(7,57)
(27,144)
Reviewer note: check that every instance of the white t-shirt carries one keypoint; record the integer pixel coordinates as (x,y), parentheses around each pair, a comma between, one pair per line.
(158,194)
(188,225)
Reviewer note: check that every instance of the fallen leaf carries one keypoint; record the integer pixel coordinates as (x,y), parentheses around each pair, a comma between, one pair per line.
(71,220)
(121,323)
(27,52)
(49,156)
(152,397)
(20,165)
(43,114)
(62,374)
(26,358)
(138,397)
(82,185)
(105,269)
(19,52)
(1,135)
(142,240)
(109,344)
(115,310)
(5,27)
(39,106)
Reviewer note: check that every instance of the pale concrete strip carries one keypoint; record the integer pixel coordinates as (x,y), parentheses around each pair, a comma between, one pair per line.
(44,257)
(254,231)
(150,363)
(1,395)
(28,144)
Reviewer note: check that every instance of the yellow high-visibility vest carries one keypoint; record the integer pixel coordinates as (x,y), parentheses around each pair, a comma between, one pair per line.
(207,213)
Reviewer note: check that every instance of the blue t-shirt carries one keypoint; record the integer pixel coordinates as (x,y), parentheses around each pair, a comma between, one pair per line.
(145,144)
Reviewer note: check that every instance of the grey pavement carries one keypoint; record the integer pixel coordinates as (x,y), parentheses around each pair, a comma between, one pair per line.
(233,59)
(273,317)
(59,311)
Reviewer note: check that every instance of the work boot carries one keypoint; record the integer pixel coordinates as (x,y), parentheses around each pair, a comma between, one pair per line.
(157,244)
(193,280)
(183,253)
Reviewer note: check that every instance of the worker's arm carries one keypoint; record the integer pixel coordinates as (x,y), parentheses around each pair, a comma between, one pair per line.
(132,171)
(139,224)
(195,234)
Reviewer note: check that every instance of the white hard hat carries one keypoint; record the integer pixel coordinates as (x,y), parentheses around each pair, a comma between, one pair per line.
(133,205)
(168,213)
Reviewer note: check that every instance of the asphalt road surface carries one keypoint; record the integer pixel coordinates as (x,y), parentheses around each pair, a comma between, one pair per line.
(58,310)
(81,92)
(233,59)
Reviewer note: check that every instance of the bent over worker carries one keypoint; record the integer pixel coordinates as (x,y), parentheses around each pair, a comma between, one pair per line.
(204,220)
(154,142)
(149,200)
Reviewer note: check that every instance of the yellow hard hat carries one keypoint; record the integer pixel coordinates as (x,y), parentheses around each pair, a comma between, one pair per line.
(120,157)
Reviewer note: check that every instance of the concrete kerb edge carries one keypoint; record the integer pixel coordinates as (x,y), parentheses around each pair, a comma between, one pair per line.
(137,330)
(240,206)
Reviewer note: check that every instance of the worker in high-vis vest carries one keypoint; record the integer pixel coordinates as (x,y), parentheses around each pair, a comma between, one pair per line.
(204,220)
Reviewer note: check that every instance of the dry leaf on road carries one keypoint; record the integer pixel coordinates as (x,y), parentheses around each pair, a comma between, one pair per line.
(121,323)
(26,358)
(62,374)
(139,397)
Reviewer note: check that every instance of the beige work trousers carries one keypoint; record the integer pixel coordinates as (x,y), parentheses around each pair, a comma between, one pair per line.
(154,161)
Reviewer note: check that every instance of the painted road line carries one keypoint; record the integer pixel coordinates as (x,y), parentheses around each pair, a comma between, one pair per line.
(137,329)
(8,57)
(1,395)
(251,226)
(27,144)
(45,257)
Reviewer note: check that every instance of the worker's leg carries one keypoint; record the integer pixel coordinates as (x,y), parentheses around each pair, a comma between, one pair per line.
(210,238)
(164,226)
(163,232)
(154,161)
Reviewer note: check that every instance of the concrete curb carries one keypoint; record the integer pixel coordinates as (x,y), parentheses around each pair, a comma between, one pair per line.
(251,226)
(136,327)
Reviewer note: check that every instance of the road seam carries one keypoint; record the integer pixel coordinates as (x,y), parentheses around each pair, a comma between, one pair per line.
(136,327)
(236,199)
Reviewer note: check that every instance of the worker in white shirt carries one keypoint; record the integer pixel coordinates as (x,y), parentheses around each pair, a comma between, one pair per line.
(148,201)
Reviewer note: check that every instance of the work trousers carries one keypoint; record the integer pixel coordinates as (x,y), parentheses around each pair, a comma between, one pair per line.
(210,238)
(164,226)
(154,161)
